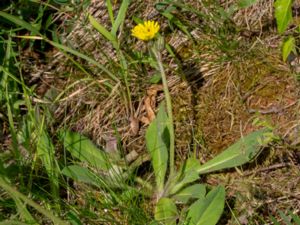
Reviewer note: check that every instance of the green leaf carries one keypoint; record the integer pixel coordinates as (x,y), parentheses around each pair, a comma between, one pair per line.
(155,79)
(246,3)
(73,218)
(23,211)
(274,220)
(174,20)
(20,22)
(102,30)
(237,154)
(166,211)
(157,141)
(83,149)
(285,218)
(88,59)
(296,218)
(129,195)
(85,175)
(121,17)
(283,14)
(188,174)
(197,191)
(16,194)
(288,47)
(45,152)
(208,211)
(110,11)
(81,174)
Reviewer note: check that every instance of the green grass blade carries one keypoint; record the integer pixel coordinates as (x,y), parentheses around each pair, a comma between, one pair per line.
(12,222)
(12,128)
(121,17)
(80,55)
(274,220)
(110,11)
(102,30)
(34,31)
(23,211)
(20,22)
(14,192)
(46,152)
(285,218)
(296,218)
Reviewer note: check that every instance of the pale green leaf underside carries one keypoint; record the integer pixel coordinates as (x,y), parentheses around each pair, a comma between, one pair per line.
(81,174)
(237,154)
(283,14)
(208,211)
(157,141)
(83,149)
(196,191)
(288,47)
(166,211)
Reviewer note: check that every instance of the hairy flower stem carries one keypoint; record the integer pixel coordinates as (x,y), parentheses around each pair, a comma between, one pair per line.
(169,110)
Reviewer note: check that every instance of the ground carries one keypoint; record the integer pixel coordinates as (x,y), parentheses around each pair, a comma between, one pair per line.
(226,77)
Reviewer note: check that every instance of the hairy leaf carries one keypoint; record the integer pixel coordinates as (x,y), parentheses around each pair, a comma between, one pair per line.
(166,211)
(288,47)
(237,154)
(188,174)
(208,211)
(157,141)
(283,14)
(194,191)
(83,149)
(81,174)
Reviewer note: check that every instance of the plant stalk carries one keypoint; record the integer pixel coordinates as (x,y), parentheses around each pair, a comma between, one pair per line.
(169,110)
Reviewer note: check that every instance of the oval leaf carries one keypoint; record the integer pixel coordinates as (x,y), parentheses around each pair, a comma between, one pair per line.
(83,149)
(288,47)
(209,210)
(166,211)
(246,3)
(237,154)
(283,14)
(81,174)
(196,191)
(157,141)
(188,174)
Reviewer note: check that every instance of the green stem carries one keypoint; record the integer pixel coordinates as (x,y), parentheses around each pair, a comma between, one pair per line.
(16,194)
(169,110)
(125,77)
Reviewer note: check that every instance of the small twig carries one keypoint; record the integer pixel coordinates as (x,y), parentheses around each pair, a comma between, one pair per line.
(273,109)
(273,167)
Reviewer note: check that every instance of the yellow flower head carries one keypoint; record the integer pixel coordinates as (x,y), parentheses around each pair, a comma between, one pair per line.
(145,31)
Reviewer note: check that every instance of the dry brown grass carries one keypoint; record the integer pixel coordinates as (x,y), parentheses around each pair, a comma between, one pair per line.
(215,100)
